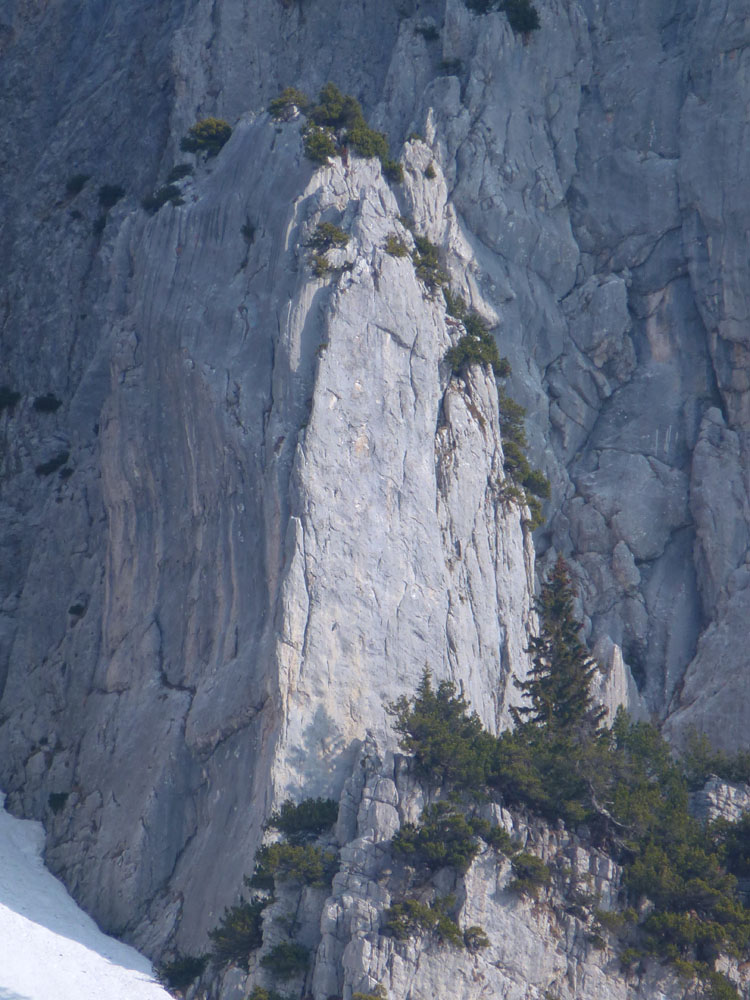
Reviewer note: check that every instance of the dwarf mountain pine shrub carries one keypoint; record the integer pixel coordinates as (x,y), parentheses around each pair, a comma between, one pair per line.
(182,971)
(289,98)
(301,863)
(443,838)
(531,874)
(287,959)
(327,236)
(409,918)
(207,136)
(240,931)
(47,403)
(305,820)
(396,247)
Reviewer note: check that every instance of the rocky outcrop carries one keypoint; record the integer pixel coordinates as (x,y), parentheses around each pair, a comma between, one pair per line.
(263,507)
(299,511)
(556,945)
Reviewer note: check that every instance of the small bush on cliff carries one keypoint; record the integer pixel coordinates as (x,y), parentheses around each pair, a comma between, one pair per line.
(336,109)
(261,993)
(305,820)
(289,98)
(56,462)
(110,194)
(379,993)
(701,761)
(182,971)
(240,931)
(522,15)
(293,863)
(327,236)
(477,347)
(319,144)
(8,398)
(287,959)
(396,246)
(531,874)
(337,121)
(407,919)
(167,193)
(76,183)
(443,838)
(475,938)
(426,257)
(207,136)
(48,403)
(178,172)
(532,484)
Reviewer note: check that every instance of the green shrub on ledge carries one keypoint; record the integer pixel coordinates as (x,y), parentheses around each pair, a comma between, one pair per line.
(240,931)
(182,971)
(287,959)
(306,820)
(475,939)
(396,247)
(409,918)
(531,874)
(477,347)
(443,839)
(288,99)
(293,863)
(328,237)
(522,14)
(208,135)
(426,257)
(319,144)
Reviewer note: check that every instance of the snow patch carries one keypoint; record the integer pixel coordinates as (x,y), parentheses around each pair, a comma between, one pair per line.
(52,950)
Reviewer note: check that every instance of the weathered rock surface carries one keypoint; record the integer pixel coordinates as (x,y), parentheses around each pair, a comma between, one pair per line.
(298,514)
(268,507)
(553,946)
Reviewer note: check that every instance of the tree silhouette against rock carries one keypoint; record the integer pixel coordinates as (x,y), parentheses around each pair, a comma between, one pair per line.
(559,682)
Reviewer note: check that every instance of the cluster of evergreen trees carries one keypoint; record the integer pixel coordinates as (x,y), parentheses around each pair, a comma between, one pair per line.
(620,787)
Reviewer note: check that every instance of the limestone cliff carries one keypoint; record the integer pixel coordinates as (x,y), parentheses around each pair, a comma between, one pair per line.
(263,505)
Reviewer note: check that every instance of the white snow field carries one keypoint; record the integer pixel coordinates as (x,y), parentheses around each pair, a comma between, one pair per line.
(49,948)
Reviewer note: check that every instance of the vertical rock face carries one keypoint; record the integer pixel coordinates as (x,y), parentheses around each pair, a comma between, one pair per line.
(300,513)
(263,506)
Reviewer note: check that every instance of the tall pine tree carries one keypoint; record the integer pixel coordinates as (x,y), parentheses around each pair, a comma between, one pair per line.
(559,683)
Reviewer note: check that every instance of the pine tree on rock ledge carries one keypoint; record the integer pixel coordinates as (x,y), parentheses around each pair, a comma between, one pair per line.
(559,682)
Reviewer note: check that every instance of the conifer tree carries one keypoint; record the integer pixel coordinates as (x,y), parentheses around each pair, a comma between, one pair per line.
(559,682)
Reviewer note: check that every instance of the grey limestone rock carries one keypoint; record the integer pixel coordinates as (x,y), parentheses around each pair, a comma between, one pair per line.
(264,506)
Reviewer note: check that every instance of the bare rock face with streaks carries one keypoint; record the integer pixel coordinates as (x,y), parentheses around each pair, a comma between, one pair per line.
(303,512)
(264,505)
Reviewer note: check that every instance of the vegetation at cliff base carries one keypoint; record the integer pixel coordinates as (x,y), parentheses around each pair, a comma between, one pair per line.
(620,786)
(240,931)
(182,971)
(294,862)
